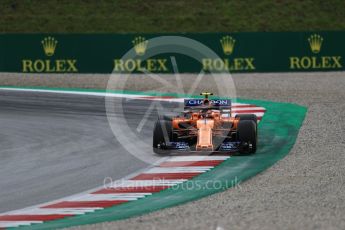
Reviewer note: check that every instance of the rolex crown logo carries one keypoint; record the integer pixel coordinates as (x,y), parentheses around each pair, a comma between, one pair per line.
(315,42)
(228,44)
(140,45)
(49,45)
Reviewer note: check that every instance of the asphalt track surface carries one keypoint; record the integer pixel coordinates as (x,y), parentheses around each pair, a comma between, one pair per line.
(55,145)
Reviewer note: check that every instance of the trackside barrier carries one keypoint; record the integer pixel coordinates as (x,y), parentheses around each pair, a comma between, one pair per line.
(238,52)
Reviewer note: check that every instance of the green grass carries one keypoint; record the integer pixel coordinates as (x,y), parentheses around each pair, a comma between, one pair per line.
(113,16)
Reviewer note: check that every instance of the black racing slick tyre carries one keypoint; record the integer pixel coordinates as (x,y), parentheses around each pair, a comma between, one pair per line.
(162,134)
(247,117)
(247,135)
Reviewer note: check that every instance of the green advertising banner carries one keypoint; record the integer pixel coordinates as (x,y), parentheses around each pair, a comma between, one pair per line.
(2,54)
(236,52)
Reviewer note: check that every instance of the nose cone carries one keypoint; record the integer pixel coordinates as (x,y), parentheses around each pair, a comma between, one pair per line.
(204,142)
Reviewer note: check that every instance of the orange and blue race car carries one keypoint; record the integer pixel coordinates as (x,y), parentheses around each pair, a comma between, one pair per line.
(206,126)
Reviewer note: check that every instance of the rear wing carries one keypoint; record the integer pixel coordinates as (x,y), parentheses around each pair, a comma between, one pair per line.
(213,104)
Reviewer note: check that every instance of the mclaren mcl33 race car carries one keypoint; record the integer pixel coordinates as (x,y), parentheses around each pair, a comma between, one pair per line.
(205,126)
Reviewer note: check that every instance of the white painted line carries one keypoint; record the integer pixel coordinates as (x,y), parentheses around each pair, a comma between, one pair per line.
(247,108)
(152,98)
(178,169)
(95,197)
(117,195)
(53,211)
(87,93)
(104,199)
(9,224)
(199,158)
(236,104)
(98,94)
(150,183)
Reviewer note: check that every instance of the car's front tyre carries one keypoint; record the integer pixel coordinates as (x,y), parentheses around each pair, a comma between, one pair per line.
(247,135)
(162,134)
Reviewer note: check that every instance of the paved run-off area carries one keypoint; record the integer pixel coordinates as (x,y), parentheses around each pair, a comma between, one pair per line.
(303,191)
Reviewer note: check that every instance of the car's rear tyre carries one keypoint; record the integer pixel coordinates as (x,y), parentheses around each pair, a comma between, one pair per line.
(162,133)
(247,135)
